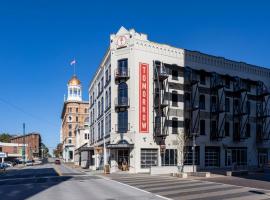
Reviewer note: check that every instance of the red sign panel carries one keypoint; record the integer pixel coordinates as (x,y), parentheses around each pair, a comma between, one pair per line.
(144,98)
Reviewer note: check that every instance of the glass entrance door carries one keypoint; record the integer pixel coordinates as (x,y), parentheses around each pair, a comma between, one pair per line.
(123,159)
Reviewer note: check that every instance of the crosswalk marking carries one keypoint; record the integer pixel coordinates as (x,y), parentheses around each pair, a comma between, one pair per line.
(189,189)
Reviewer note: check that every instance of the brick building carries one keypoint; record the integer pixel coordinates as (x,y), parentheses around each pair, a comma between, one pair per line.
(12,150)
(74,113)
(33,141)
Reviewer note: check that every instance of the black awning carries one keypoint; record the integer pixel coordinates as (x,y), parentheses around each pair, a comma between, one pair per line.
(120,146)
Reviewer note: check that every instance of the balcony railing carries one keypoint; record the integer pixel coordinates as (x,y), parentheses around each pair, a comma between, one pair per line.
(121,74)
(121,102)
(122,128)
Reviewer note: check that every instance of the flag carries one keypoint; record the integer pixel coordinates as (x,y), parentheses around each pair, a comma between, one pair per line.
(73,62)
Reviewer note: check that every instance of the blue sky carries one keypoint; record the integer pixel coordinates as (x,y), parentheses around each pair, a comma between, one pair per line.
(38,39)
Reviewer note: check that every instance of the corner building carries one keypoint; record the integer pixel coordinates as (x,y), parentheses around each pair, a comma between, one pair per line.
(148,100)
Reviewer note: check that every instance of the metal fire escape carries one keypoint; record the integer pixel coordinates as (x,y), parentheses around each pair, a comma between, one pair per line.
(240,110)
(217,107)
(262,112)
(161,103)
(192,123)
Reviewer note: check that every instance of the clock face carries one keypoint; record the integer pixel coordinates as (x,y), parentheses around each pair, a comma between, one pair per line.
(122,40)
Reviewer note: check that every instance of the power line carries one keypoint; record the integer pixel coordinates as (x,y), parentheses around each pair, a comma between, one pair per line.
(25,112)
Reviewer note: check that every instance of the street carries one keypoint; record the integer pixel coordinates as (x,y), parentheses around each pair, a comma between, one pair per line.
(43,183)
(50,181)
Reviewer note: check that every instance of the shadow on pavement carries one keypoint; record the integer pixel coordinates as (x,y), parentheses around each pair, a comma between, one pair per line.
(19,184)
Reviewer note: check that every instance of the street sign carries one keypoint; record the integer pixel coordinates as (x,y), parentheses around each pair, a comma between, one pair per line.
(3,155)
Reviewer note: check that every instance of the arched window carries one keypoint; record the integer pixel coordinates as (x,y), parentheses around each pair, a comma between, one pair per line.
(70,91)
(202,102)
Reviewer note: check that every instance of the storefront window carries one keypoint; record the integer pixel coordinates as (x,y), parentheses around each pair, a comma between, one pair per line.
(149,157)
(169,157)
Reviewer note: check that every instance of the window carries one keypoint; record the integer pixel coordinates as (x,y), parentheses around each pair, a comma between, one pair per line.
(214,104)
(77,110)
(69,141)
(70,126)
(214,128)
(174,75)
(109,72)
(174,126)
(123,67)
(85,136)
(238,156)
(169,157)
(212,156)
(248,130)
(70,110)
(109,97)
(202,102)
(123,122)
(174,98)
(227,128)
(98,108)
(70,134)
(110,123)
(227,83)
(227,105)
(248,107)
(79,92)
(107,76)
(75,91)
(102,84)
(122,93)
(149,157)
(98,88)
(99,130)
(188,155)
(102,104)
(106,99)
(70,92)
(85,110)
(77,119)
(202,127)
(102,128)
(202,78)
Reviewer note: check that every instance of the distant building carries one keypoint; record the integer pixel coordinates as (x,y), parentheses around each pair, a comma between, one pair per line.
(33,141)
(74,113)
(13,150)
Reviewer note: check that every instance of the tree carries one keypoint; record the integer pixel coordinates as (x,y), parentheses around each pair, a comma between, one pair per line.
(44,151)
(58,151)
(5,137)
(182,140)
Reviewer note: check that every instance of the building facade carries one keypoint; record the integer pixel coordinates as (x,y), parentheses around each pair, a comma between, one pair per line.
(13,151)
(74,114)
(150,103)
(33,142)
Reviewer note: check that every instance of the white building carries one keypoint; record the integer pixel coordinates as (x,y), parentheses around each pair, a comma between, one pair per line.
(147,100)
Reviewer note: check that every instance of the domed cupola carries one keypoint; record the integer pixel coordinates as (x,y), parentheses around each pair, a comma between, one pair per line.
(74,89)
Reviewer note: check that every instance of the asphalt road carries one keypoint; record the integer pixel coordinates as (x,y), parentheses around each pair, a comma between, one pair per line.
(43,183)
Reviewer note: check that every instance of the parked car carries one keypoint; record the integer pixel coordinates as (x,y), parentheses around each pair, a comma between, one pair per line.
(29,163)
(9,164)
(57,162)
(3,165)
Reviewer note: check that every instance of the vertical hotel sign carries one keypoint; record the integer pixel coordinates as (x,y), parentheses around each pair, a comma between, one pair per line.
(144,98)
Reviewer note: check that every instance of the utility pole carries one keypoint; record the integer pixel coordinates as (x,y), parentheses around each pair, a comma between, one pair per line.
(193,151)
(23,150)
